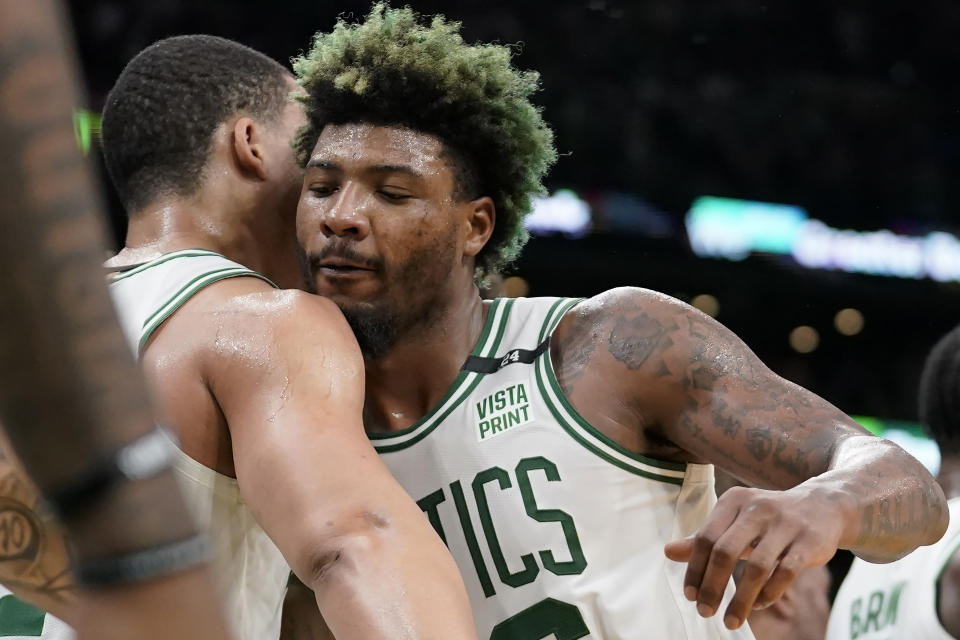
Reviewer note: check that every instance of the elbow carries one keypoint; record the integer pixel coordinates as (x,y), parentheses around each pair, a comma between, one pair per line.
(343,552)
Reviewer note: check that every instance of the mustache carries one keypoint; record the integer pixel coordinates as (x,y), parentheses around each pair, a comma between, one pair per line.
(343,250)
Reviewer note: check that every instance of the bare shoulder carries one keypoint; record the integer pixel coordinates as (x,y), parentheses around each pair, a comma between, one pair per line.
(251,311)
(640,330)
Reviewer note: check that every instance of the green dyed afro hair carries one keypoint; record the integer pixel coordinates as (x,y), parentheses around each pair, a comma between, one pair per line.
(391,70)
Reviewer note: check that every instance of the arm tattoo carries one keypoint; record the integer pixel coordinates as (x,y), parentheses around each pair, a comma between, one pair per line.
(634,339)
(571,352)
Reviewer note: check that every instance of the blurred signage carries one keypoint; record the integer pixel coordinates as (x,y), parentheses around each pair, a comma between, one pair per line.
(563,212)
(909,435)
(733,229)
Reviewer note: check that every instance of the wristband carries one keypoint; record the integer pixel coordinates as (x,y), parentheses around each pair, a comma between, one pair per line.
(144,564)
(147,456)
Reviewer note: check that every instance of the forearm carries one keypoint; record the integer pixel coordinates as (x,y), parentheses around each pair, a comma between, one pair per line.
(301,620)
(395,580)
(890,503)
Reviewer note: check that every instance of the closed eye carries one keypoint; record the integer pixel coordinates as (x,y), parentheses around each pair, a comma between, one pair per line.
(393,196)
(322,190)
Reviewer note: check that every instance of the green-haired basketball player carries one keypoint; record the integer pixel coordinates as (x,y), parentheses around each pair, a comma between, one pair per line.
(557,445)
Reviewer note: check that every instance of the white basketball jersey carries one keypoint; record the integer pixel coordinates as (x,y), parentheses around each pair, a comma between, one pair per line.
(21,621)
(557,530)
(248,567)
(898,600)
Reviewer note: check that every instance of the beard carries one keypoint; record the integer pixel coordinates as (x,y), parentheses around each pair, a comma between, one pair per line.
(412,303)
(376,329)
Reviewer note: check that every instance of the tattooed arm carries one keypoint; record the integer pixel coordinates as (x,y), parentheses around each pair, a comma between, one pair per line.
(689,389)
(34,557)
(70,392)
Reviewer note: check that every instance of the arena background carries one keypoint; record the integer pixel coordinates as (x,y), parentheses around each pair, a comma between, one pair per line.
(846,111)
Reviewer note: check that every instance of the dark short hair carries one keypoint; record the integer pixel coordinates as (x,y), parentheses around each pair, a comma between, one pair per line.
(392,70)
(940,394)
(159,118)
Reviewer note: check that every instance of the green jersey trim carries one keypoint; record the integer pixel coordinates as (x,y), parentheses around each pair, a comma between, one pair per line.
(189,290)
(585,433)
(459,390)
(183,253)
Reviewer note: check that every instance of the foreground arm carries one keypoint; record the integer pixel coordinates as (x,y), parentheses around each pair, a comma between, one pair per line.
(293,397)
(70,392)
(825,482)
(34,558)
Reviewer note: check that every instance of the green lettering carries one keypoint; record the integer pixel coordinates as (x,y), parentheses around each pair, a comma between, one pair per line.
(578,561)
(856,626)
(893,604)
(525,409)
(497,422)
(521,393)
(428,504)
(471,539)
(530,569)
(482,408)
(513,417)
(874,607)
(484,427)
(499,400)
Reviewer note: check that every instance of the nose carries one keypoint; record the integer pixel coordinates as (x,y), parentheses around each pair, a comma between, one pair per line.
(346,214)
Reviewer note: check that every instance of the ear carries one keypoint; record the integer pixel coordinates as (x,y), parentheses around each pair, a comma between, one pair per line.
(482,216)
(247,148)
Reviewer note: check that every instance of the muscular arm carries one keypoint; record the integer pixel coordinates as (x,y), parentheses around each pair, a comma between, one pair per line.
(290,384)
(688,382)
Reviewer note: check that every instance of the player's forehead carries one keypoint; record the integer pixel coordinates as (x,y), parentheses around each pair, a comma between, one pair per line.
(358,146)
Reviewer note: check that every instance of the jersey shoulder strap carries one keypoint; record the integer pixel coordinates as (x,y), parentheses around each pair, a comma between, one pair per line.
(147,294)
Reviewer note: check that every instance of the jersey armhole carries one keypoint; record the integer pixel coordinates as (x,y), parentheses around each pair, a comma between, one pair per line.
(579,428)
(178,299)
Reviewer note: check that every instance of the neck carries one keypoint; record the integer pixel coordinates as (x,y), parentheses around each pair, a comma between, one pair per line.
(949,476)
(414,375)
(265,244)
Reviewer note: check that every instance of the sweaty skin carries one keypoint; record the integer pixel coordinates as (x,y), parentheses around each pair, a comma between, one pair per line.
(653,374)
(266,386)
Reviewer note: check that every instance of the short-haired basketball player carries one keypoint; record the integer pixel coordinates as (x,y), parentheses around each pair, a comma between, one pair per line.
(558,444)
(264,386)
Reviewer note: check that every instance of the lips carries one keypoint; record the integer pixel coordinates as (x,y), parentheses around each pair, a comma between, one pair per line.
(341,264)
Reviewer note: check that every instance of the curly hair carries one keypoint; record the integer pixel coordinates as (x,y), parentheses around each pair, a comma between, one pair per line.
(159,117)
(391,70)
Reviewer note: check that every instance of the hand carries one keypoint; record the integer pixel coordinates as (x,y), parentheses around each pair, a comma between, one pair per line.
(776,533)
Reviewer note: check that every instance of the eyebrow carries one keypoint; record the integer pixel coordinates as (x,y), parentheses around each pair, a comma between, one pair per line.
(318,163)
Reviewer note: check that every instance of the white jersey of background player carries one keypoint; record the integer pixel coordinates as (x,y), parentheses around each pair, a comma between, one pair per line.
(557,493)
(917,597)
(896,600)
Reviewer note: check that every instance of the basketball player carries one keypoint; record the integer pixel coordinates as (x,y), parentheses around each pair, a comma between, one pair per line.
(557,444)
(71,399)
(264,385)
(917,597)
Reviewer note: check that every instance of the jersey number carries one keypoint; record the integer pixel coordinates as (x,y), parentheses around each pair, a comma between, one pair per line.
(549,616)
